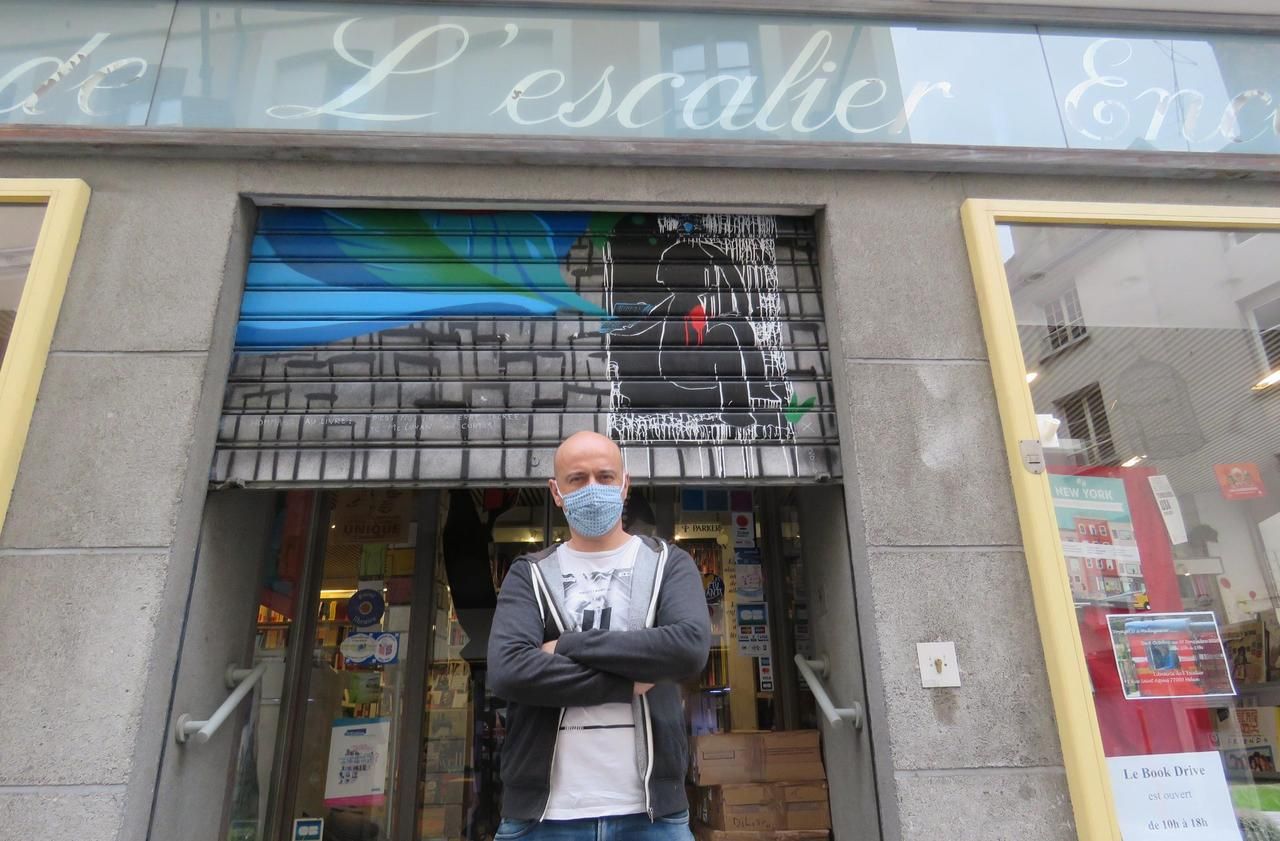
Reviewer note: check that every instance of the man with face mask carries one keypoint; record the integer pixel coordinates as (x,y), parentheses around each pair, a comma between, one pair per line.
(590,640)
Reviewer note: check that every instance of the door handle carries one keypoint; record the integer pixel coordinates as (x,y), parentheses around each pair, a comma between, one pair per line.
(814,671)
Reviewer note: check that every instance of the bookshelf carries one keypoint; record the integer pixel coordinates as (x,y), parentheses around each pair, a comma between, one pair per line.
(724,697)
(448,759)
(272,630)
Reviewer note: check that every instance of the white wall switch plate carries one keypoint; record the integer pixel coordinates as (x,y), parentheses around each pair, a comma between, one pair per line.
(938,666)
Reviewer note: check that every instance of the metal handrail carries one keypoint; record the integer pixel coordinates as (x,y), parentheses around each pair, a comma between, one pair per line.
(813,672)
(241,682)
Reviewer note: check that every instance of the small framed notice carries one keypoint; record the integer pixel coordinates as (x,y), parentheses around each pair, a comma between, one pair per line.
(1170,655)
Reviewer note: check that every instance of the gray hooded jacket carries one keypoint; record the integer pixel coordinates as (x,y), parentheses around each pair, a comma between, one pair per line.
(670,643)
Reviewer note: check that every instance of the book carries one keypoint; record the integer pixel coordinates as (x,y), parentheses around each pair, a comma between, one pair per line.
(1246,651)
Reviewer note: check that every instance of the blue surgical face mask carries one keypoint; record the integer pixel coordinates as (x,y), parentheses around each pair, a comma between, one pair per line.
(593,511)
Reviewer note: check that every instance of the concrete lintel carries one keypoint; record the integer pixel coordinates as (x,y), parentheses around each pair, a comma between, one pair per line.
(393,147)
(953,11)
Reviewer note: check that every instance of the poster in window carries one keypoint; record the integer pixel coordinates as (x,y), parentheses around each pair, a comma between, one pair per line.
(1242,480)
(1098,540)
(1170,655)
(357,774)
(748,575)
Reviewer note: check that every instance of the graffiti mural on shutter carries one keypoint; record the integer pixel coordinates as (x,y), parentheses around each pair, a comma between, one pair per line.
(380,346)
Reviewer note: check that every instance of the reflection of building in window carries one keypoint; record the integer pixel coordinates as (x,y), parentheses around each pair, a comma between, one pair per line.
(1153,410)
(1085,417)
(18,228)
(312,78)
(1266,320)
(699,62)
(1065,320)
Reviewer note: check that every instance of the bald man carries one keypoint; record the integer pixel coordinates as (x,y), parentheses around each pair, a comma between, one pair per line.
(590,641)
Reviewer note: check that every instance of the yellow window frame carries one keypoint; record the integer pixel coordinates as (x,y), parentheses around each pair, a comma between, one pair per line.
(1088,776)
(65,201)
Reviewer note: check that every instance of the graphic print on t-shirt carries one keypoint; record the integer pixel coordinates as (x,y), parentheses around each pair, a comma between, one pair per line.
(595,772)
(594,597)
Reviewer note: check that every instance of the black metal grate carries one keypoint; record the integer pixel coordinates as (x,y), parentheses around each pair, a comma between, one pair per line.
(411,347)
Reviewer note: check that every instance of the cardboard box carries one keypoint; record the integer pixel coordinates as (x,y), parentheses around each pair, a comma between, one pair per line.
(803,805)
(762,806)
(743,794)
(725,758)
(743,806)
(791,756)
(440,822)
(815,815)
(806,792)
(705,833)
(756,757)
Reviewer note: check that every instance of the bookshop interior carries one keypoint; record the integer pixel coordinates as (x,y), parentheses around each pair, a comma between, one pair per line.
(387,721)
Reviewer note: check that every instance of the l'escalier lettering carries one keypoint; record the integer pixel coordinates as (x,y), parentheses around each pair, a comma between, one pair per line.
(805,82)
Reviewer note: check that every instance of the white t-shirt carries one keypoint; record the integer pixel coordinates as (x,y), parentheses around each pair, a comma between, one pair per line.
(594,773)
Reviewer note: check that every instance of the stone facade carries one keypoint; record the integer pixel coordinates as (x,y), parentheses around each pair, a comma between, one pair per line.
(99,550)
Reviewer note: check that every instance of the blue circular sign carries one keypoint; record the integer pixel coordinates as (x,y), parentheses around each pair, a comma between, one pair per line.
(366,608)
(714,588)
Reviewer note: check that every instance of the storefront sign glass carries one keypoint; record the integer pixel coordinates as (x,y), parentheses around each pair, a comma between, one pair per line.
(433,69)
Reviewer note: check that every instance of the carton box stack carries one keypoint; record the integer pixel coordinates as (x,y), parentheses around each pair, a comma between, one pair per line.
(759,786)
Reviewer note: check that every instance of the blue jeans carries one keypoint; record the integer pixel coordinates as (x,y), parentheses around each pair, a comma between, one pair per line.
(615,828)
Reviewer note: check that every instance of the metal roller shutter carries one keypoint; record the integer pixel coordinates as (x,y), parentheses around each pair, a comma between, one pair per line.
(427,347)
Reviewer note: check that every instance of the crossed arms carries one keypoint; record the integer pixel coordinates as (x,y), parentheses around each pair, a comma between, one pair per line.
(586,668)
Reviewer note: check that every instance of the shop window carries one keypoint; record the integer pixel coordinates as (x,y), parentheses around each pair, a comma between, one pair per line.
(1085,418)
(1164,487)
(39,229)
(1065,321)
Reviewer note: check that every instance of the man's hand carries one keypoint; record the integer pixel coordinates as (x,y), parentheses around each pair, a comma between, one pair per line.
(641,688)
(549,646)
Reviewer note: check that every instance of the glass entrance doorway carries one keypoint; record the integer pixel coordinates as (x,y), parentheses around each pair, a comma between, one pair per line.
(374,616)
